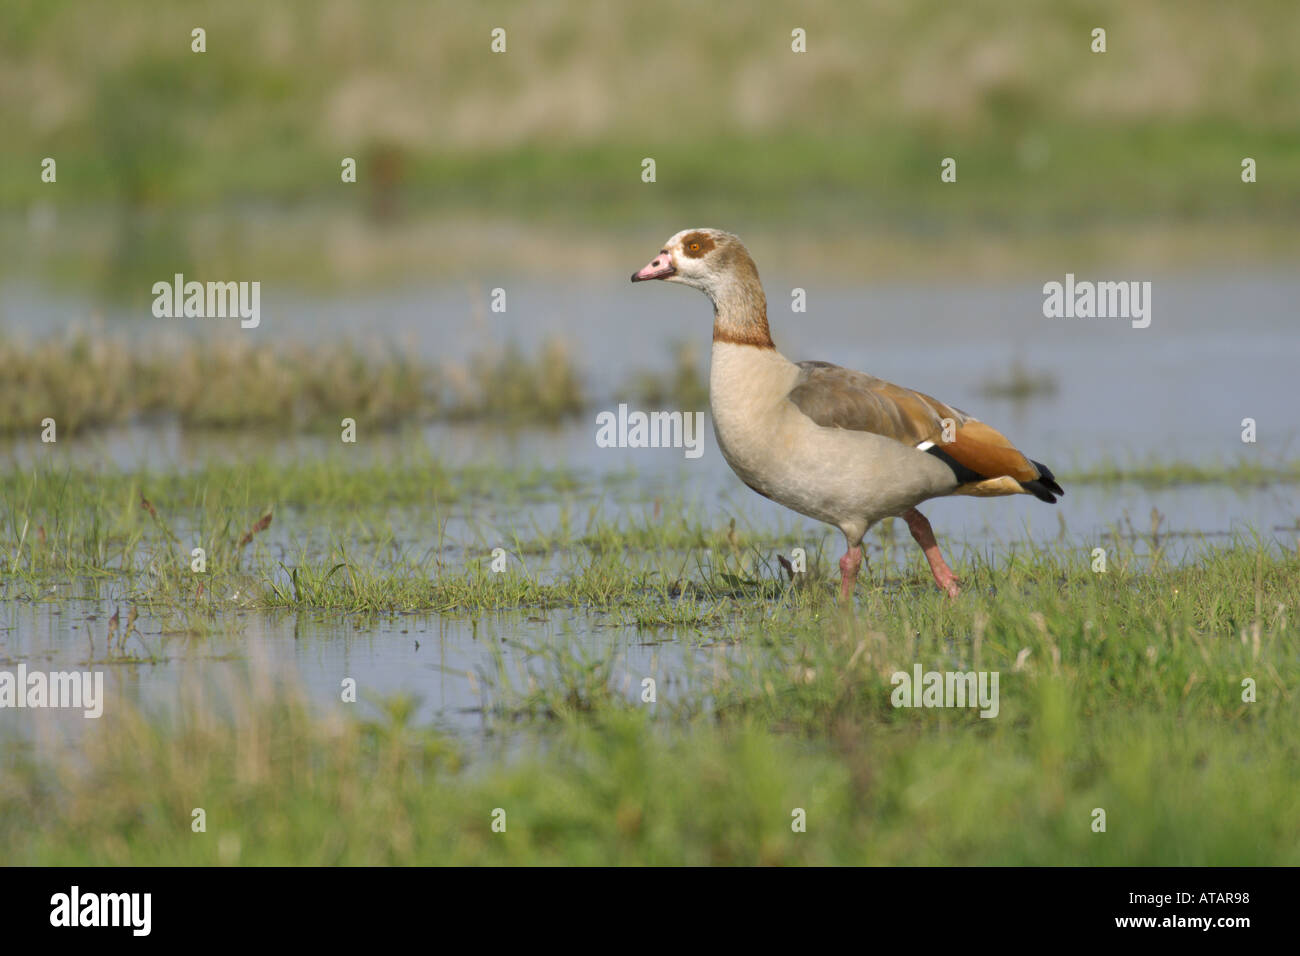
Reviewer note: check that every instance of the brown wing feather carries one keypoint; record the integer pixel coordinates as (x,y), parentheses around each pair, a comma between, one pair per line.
(836,397)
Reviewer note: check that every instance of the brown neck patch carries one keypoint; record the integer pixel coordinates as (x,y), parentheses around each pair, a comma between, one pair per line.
(751,333)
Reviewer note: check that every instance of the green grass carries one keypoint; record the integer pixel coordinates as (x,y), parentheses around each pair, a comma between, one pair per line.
(84,382)
(1117,692)
(385,546)
(1242,473)
(1120,690)
(1019,384)
(71,519)
(413,92)
(227,162)
(291,788)
(89,382)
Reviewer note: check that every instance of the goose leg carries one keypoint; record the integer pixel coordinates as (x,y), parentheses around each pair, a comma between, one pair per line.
(849,565)
(924,535)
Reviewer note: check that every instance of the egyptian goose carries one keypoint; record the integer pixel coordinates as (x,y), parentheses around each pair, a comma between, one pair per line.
(836,445)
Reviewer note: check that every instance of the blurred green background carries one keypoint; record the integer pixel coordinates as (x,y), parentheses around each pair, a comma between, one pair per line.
(229,160)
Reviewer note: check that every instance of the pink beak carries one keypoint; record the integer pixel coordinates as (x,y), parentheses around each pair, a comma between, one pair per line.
(659,267)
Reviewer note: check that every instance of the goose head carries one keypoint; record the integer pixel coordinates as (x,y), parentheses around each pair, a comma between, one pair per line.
(718,264)
(706,259)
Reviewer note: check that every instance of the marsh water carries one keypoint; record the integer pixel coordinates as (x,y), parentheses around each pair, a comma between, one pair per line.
(1219,349)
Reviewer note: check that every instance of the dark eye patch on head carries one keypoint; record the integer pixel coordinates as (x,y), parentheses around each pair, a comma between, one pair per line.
(697,244)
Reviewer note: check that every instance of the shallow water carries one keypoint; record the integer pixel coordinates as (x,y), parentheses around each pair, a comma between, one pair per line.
(1219,349)
(427,656)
